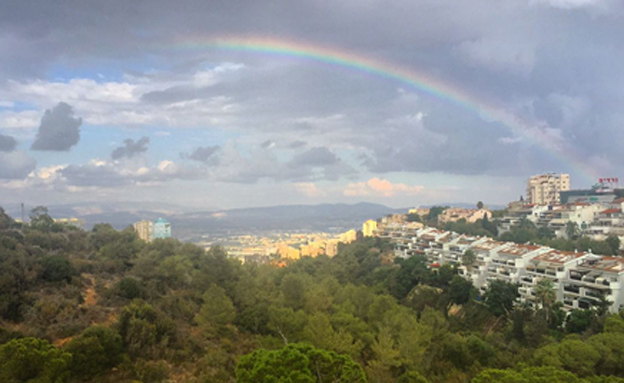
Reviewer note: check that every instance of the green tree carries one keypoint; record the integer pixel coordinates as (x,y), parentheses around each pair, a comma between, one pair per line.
(412,377)
(5,220)
(468,259)
(293,291)
(413,217)
(572,230)
(480,205)
(434,212)
(40,219)
(298,363)
(500,297)
(614,243)
(32,360)
(579,320)
(546,296)
(129,288)
(217,310)
(95,351)
(143,330)
(527,375)
(459,291)
(56,268)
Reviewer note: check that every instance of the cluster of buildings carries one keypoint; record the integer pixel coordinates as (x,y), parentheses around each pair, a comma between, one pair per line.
(597,212)
(280,247)
(581,279)
(148,230)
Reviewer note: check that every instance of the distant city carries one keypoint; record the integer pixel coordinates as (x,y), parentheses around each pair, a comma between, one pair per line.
(581,278)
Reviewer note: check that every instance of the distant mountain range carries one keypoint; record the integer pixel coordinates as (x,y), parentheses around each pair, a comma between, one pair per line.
(189,224)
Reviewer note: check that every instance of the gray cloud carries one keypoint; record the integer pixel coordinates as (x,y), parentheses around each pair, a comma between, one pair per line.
(109,175)
(16,165)
(267,144)
(554,63)
(297,144)
(59,130)
(7,143)
(314,157)
(131,148)
(206,154)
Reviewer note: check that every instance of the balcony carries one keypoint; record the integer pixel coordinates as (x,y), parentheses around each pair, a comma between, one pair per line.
(572,289)
(576,276)
(593,294)
(528,280)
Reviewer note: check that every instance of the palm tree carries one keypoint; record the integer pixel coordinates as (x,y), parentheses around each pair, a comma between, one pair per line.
(468,259)
(572,230)
(545,294)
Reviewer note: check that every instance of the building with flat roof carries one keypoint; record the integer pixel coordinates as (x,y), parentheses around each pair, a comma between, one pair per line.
(144,230)
(162,229)
(544,189)
(369,227)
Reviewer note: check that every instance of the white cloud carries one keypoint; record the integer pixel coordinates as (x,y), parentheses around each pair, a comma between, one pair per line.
(376,187)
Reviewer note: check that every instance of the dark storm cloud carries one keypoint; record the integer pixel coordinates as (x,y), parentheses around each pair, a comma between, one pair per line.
(59,130)
(206,154)
(16,165)
(514,52)
(131,148)
(7,143)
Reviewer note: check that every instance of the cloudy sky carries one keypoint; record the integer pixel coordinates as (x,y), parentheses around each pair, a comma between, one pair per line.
(462,100)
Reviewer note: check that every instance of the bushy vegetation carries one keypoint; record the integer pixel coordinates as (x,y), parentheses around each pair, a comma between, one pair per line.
(525,231)
(103,306)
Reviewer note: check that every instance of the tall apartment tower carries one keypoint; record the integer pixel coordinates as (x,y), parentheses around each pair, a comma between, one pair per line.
(144,230)
(162,228)
(369,227)
(543,189)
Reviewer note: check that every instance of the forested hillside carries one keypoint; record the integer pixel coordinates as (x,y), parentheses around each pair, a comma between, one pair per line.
(103,306)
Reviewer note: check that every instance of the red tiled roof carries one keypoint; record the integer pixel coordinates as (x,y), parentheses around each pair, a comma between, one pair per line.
(611,211)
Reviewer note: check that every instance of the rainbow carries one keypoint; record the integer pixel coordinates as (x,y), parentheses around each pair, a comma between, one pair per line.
(412,78)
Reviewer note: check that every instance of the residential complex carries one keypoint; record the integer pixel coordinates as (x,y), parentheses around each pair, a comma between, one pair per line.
(594,220)
(454,214)
(581,279)
(545,188)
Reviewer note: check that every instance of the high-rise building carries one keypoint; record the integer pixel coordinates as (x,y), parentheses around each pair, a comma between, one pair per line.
(544,189)
(162,229)
(369,227)
(144,230)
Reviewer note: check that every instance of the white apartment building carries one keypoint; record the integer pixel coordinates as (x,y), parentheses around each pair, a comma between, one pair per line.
(579,278)
(592,278)
(543,189)
(554,265)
